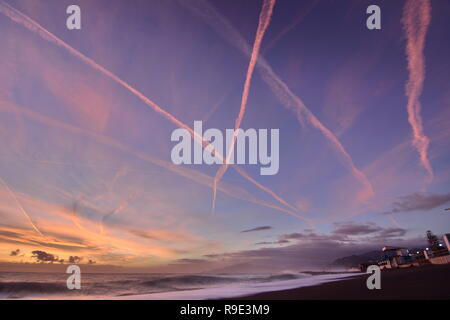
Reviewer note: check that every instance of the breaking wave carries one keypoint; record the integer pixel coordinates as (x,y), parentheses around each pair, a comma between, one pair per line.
(94,286)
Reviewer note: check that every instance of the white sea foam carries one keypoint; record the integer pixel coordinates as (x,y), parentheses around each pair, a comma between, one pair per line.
(236,290)
(156,286)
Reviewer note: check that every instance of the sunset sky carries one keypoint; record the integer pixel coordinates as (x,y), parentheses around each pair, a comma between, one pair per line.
(85,167)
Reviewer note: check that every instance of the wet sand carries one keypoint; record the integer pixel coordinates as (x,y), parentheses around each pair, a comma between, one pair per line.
(427,282)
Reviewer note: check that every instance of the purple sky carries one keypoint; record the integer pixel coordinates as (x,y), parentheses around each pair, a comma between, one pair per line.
(85,164)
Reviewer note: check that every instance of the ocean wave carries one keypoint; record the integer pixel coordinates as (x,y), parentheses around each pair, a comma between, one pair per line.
(281,277)
(11,288)
(190,280)
(94,285)
(239,289)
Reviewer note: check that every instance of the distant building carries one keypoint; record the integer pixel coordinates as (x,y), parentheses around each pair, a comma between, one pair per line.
(446,238)
(441,256)
(395,257)
(394,251)
(438,252)
(420,258)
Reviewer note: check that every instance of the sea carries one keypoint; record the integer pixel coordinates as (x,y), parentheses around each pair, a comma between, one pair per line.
(26,285)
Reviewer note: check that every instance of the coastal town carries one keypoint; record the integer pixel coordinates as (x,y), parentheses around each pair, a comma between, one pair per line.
(437,252)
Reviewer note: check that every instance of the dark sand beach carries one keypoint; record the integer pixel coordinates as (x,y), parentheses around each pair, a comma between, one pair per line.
(427,282)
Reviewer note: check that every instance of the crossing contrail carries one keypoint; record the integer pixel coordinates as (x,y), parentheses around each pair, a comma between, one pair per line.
(33,26)
(416,19)
(299,18)
(27,216)
(193,175)
(119,209)
(264,21)
(264,188)
(289,100)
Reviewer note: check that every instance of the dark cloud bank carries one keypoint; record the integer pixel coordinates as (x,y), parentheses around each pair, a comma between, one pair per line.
(419,202)
(309,250)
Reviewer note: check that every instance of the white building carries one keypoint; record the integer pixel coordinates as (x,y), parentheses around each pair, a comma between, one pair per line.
(446,238)
(395,257)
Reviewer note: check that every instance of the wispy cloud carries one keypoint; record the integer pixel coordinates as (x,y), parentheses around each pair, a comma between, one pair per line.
(20,207)
(193,175)
(416,19)
(351,228)
(42,256)
(117,210)
(33,26)
(257,229)
(419,202)
(368,229)
(15,253)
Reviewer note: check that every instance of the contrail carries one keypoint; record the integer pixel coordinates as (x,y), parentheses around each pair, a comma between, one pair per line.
(33,26)
(299,18)
(216,106)
(290,101)
(75,218)
(120,208)
(120,172)
(394,221)
(264,21)
(416,19)
(193,175)
(296,105)
(264,188)
(27,216)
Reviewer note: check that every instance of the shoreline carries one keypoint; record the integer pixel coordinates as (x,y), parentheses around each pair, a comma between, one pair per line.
(426,282)
(213,292)
(238,290)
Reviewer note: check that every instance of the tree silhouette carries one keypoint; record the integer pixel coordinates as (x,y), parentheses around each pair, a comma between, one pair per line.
(433,241)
